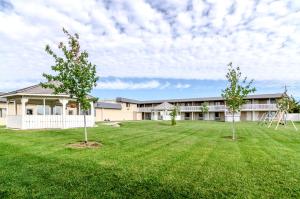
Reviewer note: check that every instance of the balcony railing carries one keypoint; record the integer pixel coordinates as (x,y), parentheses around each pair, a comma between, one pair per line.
(220,108)
(145,109)
(198,108)
(262,107)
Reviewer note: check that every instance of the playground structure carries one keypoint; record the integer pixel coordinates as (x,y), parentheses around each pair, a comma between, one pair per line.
(281,118)
(265,118)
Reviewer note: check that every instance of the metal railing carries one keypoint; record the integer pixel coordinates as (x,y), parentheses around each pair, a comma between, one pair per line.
(219,108)
(263,107)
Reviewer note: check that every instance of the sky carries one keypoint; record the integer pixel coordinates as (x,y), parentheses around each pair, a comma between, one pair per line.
(155,49)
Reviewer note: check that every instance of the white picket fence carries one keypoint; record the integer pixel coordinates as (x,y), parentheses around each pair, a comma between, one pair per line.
(49,121)
(14,121)
(294,116)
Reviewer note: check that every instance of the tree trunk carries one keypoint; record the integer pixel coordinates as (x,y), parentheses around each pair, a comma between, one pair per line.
(233,126)
(85,130)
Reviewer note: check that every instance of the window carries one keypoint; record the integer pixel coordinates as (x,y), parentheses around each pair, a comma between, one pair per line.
(200,116)
(57,110)
(70,112)
(127,105)
(2,112)
(40,110)
(217,115)
(29,111)
(273,101)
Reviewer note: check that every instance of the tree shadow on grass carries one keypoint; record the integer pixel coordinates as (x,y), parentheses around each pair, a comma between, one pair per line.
(164,123)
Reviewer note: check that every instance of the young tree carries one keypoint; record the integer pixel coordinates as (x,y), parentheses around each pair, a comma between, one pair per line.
(75,75)
(173,115)
(204,108)
(235,92)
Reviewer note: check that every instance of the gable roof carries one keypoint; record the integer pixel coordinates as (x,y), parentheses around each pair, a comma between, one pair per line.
(35,90)
(32,90)
(164,106)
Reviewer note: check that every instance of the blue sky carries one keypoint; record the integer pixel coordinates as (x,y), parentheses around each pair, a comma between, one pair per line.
(152,49)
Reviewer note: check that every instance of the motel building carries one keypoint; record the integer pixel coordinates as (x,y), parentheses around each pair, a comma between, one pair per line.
(38,108)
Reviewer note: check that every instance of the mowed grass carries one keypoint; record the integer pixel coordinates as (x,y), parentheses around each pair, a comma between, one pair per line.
(152,160)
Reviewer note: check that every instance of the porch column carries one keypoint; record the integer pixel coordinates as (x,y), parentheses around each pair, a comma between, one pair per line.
(192,115)
(23,105)
(63,112)
(7,113)
(44,106)
(23,111)
(7,108)
(15,108)
(64,105)
(79,109)
(252,109)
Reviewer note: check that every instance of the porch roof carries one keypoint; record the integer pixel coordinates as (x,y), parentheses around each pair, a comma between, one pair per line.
(35,90)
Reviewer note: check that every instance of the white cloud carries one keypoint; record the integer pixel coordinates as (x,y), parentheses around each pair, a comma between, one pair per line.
(120,85)
(156,39)
(180,86)
(165,85)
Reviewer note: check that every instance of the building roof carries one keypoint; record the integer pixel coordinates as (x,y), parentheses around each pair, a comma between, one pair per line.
(203,99)
(31,90)
(34,90)
(108,105)
(132,101)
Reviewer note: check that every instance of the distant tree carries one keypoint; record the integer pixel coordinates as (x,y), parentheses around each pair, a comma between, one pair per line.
(294,105)
(283,104)
(204,108)
(75,75)
(173,115)
(236,92)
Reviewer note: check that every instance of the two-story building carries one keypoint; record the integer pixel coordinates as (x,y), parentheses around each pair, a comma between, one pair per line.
(37,107)
(190,108)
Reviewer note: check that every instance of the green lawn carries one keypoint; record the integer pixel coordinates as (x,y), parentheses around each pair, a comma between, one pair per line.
(152,160)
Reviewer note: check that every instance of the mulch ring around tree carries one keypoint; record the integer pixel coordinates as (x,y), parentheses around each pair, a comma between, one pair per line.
(229,137)
(83,145)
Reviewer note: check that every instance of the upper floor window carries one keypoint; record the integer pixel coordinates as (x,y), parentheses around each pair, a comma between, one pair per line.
(273,101)
(127,105)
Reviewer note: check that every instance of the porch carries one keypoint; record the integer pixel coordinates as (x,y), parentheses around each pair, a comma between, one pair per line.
(48,121)
(46,113)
